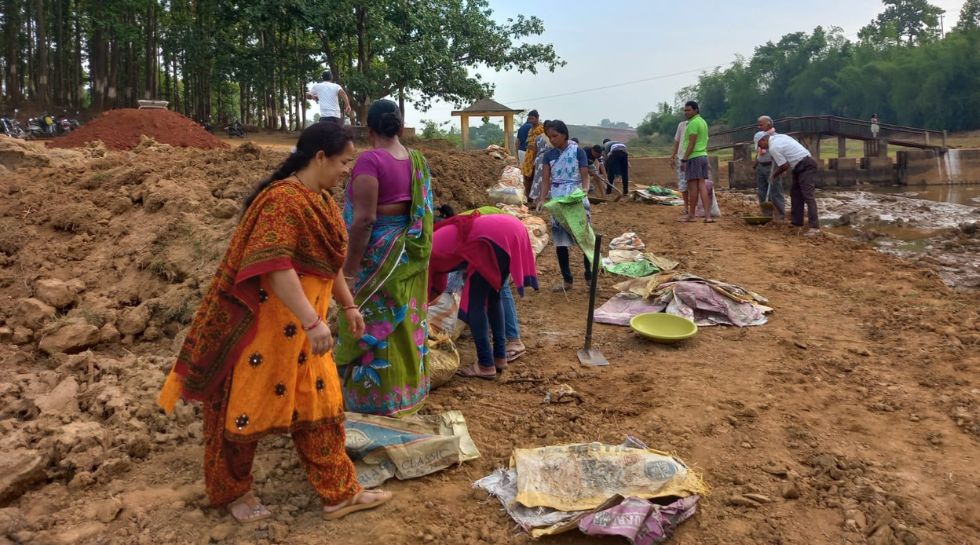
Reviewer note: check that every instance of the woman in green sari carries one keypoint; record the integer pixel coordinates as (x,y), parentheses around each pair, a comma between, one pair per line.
(388,212)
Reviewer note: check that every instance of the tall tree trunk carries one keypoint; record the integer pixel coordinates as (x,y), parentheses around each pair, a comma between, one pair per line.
(98,68)
(112,89)
(150,83)
(11,34)
(58,94)
(43,90)
(76,64)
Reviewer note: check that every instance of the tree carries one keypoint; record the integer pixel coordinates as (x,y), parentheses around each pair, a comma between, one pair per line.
(911,20)
(969,16)
(662,121)
(486,134)
(383,47)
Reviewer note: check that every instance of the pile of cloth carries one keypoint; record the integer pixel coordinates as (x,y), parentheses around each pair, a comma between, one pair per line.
(627,490)
(706,302)
(656,194)
(497,152)
(627,258)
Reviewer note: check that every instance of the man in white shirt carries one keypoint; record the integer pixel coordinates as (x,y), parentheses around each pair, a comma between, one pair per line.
(329,95)
(789,154)
(676,161)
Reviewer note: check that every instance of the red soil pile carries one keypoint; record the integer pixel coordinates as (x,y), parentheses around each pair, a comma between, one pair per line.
(121,130)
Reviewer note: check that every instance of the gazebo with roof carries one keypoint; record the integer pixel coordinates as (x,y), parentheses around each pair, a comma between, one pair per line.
(487,107)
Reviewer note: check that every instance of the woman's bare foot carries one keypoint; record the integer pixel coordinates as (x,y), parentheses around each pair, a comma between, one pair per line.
(248,509)
(365,499)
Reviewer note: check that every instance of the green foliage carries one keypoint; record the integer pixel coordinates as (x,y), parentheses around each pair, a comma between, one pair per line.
(383,47)
(915,21)
(969,16)
(606,123)
(932,83)
(436,131)
(662,122)
(486,134)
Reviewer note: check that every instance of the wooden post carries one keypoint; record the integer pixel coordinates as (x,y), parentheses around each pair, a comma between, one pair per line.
(464,124)
(508,132)
(927,137)
(841,146)
(945,138)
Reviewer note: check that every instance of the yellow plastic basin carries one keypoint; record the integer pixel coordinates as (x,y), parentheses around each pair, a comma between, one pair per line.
(662,327)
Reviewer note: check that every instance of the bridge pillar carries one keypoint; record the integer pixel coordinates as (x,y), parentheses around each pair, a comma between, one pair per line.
(875,148)
(841,147)
(812,144)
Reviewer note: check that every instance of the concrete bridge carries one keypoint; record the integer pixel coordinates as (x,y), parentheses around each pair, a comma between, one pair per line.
(926,163)
(809,130)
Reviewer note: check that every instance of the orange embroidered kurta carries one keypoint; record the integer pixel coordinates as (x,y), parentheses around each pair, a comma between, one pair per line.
(242,332)
(277,385)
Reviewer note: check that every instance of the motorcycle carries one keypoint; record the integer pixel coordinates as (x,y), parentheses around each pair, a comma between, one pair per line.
(206,125)
(235,130)
(42,127)
(10,126)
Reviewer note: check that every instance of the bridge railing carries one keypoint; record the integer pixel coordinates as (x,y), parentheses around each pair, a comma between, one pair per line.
(830,125)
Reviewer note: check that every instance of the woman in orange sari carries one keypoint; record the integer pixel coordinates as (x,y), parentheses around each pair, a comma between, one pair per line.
(257,355)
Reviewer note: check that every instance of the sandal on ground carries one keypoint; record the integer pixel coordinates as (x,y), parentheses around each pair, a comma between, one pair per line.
(360,502)
(515,353)
(685,219)
(473,371)
(565,286)
(709,221)
(248,508)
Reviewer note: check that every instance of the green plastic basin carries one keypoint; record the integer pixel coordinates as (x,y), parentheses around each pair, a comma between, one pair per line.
(662,327)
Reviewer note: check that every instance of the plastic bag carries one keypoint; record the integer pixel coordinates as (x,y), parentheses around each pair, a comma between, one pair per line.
(503,194)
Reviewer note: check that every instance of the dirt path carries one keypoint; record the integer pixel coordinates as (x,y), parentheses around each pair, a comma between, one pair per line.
(856,410)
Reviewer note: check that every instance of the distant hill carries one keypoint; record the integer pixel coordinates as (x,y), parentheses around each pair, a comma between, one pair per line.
(594,135)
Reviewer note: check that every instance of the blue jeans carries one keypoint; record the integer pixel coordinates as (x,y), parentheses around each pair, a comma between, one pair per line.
(775,195)
(511,327)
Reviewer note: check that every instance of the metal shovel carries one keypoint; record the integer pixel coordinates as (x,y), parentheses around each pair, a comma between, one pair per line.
(767,205)
(588,355)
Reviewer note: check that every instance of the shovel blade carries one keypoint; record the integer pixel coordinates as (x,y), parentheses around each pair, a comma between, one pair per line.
(592,358)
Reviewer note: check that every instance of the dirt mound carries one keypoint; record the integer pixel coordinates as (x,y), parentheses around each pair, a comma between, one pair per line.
(121,130)
(461,179)
(804,428)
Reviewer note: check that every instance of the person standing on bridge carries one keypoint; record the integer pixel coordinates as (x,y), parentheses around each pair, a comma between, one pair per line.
(788,154)
(695,161)
(763,173)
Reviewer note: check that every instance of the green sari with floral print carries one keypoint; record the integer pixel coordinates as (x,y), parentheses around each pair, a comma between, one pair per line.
(386,371)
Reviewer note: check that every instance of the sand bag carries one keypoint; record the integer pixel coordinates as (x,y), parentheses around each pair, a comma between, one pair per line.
(582,476)
(383,447)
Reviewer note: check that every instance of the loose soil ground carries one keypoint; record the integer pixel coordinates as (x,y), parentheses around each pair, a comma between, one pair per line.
(856,409)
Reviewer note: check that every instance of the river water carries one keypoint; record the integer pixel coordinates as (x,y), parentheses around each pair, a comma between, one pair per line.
(936,225)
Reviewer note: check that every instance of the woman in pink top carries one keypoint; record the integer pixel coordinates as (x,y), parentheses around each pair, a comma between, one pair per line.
(389,216)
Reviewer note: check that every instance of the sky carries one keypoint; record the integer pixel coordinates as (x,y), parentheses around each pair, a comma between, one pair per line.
(668,44)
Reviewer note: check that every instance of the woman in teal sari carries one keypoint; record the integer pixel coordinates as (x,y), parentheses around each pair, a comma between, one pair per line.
(388,212)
